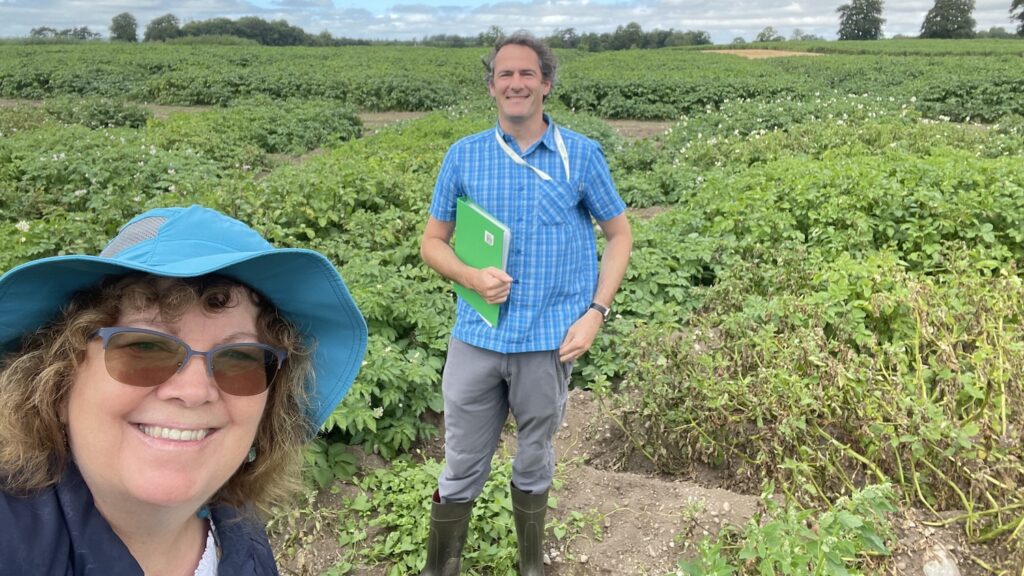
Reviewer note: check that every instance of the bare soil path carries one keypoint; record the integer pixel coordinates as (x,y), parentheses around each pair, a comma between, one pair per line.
(757,54)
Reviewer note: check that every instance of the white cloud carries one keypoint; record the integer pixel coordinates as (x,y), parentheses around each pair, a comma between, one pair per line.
(409,20)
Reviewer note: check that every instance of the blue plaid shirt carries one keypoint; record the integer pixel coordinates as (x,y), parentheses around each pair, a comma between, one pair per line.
(553,255)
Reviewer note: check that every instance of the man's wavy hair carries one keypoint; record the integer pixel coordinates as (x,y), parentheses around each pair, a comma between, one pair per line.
(35,384)
(546,57)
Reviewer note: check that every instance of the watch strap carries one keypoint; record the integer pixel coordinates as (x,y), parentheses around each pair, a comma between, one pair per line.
(602,309)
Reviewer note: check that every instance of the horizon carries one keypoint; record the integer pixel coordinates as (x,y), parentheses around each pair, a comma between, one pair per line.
(387,22)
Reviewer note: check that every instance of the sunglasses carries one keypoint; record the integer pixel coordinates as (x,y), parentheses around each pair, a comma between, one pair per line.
(146,358)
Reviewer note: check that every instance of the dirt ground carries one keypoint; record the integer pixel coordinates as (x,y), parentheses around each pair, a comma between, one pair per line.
(759,54)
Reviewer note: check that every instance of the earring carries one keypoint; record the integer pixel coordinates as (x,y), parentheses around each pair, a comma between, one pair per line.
(251,456)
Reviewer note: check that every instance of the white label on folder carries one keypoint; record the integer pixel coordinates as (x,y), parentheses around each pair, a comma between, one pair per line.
(488,238)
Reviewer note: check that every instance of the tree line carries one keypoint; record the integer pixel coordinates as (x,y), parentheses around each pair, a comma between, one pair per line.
(862,20)
(124,27)
(858,20)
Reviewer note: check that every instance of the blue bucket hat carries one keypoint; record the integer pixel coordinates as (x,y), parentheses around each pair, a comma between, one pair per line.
(188,242)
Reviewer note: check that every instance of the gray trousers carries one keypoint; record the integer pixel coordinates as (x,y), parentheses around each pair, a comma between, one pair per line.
(480,387)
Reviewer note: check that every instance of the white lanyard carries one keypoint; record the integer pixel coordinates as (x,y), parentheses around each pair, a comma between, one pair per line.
(559,143)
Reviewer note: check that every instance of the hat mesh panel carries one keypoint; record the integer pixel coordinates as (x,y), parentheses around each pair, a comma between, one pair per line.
(132,234)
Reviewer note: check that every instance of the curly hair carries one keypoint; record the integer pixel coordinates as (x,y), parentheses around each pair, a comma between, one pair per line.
(545,56)
(35,384)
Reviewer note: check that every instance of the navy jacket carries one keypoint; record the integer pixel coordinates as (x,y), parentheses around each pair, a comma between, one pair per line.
(60,532)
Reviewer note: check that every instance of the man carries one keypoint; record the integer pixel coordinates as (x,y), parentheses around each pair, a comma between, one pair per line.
(545,183)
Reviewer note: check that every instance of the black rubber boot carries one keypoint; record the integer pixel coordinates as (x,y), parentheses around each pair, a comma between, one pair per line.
(449,524)
(529,510)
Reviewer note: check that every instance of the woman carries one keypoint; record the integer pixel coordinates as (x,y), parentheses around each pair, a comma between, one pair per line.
(154,396)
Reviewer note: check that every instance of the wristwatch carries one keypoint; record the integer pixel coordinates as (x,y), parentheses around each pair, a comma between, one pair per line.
(602,309)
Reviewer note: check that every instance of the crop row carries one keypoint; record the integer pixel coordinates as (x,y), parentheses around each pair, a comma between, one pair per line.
(647,84)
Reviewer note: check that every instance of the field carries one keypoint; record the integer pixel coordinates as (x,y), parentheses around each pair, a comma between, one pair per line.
(818,339)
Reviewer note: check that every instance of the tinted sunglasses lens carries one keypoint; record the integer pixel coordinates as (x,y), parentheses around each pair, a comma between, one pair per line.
(139,359)
(244,370)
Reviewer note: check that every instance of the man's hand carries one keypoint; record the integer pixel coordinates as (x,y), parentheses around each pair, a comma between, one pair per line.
(581,336)
(435,248)
(492,284)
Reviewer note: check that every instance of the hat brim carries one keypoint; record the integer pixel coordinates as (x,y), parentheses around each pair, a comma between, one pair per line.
(302,284)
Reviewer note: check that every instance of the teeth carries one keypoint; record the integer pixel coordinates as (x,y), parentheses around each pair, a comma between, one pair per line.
(174,433)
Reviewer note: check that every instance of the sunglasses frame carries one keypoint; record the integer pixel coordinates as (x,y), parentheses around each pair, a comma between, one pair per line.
(105,334)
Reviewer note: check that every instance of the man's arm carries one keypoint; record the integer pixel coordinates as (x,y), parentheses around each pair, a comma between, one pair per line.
(436,250)
(619,243)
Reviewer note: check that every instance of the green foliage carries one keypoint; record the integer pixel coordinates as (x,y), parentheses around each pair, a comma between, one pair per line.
(212,40)
(400,511)
(328,461)
(610,84)
(822,371)
(389,520)
(911,47)
(101,177)
(18,118)
(791,541)
(97,112)
(242,135)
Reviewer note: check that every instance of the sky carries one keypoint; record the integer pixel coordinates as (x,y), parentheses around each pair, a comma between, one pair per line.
(724,20)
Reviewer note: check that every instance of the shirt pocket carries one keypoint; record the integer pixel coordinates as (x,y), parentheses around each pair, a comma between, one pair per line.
(556,203)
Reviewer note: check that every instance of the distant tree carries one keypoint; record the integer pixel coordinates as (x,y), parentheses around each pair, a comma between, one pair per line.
(324,38)
(124,28)
(446,40)
(768,35)
(43,32)
(861,20)
(491,36)
(564,38)
(689,38)
(162,28)
(591,42)
(1017,13)
(799,35)
(629,36)
(79,33)
(995,32)
(949,19)
(658,38)
(274,33)
(211,27)
(739,40)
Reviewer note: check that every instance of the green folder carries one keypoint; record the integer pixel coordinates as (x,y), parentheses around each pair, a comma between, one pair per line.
(481,241)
